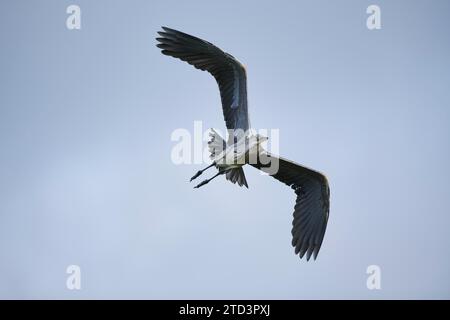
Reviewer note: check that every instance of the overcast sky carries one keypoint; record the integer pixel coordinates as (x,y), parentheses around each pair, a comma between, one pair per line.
(86,176)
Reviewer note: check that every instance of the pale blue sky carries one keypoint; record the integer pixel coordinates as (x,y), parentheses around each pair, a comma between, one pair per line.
(85,170)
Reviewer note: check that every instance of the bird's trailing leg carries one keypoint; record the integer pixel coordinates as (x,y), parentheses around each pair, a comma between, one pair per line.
(208,180)
(201,171)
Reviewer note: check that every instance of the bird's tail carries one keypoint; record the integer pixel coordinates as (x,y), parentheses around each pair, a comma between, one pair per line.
(237,175)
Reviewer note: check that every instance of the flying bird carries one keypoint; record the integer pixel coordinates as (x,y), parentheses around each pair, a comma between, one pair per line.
(311,188)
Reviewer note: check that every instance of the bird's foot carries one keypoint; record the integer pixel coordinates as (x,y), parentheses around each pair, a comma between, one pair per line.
(196,175)
(201,183)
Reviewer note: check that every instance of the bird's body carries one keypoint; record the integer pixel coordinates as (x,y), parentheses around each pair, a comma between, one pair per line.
(311,187)
(238,154)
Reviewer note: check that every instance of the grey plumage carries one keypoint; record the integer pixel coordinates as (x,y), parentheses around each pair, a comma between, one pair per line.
(312,205)
(229,73)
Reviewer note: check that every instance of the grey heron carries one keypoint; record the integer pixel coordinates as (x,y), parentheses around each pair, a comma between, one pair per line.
(312,204)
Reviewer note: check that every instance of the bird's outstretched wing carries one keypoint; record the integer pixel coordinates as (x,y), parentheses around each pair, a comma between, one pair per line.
(312,204)
(228,72)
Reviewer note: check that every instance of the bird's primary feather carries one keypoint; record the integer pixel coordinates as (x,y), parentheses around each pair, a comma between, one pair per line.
(229,73)
(312,205)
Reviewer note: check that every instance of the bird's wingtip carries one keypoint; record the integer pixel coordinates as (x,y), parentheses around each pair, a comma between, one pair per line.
(163,30)
(167,29)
